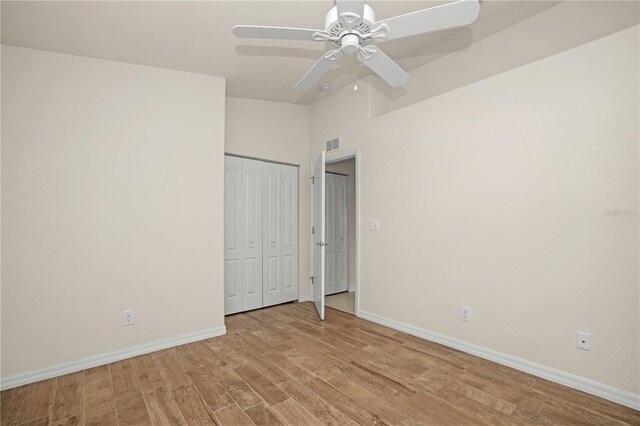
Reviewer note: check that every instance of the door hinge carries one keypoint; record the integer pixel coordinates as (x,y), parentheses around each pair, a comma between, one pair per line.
(313,230)
(311,278)
(313,180)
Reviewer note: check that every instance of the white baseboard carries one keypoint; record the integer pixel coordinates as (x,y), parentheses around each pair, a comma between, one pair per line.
(618,396)
(303,299)
(106,358)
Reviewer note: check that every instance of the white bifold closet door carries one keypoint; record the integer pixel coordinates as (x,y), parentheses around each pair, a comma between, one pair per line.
(232,235)
(261,234)
(243,235)
(289,233)
(272,223)
(280,225)
(252,234)
(336,189)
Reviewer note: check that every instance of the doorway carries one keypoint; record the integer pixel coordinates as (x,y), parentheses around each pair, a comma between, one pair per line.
(340,217)
(346,163)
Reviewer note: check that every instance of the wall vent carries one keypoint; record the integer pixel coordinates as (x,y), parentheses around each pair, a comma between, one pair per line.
(333,144)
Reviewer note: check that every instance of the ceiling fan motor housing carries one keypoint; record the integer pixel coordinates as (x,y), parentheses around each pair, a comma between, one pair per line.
(337,28)
(350,43)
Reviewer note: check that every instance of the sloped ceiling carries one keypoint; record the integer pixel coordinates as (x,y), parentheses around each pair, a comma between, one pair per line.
(196,36)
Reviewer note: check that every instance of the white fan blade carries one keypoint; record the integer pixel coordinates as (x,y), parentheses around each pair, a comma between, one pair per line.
(376,60)
(456,14)
(350,11)
(319,69)
(280,33)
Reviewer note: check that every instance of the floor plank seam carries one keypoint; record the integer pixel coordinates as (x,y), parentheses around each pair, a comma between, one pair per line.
(142,394)
(53,398)
(113,395)
(255,405)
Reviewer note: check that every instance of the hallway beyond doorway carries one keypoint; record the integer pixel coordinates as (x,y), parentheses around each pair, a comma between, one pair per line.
(345,301)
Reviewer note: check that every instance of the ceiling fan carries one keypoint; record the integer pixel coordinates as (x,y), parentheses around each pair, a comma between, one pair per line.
(351,26)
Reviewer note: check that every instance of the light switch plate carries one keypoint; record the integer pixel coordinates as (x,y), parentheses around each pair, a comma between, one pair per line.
(374,224)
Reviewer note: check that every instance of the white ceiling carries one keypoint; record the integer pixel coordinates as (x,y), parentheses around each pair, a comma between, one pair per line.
(196,36)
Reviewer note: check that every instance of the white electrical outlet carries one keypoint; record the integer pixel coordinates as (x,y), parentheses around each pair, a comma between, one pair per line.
(465,313)
(128,317)
(583,340)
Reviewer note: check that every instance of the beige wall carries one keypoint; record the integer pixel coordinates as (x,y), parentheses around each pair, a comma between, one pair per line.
(498,201)
(112,193)
(278,132)
(348,167)
(112,199)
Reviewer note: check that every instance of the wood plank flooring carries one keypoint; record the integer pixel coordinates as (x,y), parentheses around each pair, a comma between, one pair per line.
(282,366)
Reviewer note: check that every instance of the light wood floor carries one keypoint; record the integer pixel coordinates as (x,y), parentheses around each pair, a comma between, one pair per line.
(280,366)
(345,301)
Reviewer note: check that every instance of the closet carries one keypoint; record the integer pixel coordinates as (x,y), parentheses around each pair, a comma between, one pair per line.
(336,193)
(260,234)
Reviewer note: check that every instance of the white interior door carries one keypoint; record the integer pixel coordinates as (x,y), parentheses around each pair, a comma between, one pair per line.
(272,234)
(317,283)
(289,233)
(232,235)
(341,234)
(330,264)
(251,234)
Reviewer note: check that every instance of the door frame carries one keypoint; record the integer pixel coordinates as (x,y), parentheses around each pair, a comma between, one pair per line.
(335,157)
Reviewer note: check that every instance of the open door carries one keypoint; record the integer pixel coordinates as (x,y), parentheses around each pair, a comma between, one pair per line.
(317,282)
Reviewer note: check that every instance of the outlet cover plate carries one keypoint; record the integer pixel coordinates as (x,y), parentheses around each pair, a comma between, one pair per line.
(128,317)
(583,340)
(465,313)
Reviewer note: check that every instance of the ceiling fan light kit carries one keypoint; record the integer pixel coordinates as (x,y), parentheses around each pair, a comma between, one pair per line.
(351,27)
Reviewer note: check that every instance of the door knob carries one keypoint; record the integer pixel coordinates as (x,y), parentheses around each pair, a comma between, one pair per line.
(250,241)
